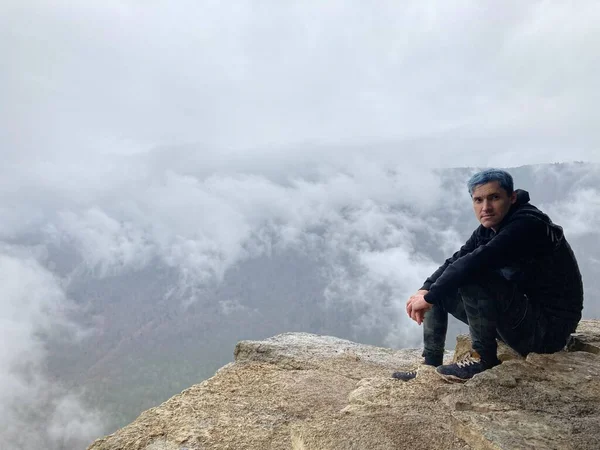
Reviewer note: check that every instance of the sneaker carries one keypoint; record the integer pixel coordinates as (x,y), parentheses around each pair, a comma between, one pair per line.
(405,376)
(461,370)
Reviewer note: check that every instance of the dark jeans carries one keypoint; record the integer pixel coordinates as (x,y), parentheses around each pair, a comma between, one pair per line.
(493,307)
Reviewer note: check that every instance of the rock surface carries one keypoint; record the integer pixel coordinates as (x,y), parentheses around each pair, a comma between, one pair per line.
(463,348)
(306,392)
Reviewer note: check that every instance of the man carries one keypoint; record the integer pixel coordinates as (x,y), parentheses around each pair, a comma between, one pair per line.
(515,279)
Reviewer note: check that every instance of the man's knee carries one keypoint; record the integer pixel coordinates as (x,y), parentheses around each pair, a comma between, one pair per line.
(471,290)
(492,288)
(474,297)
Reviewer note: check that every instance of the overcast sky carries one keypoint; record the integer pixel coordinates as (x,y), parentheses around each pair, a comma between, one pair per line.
(195,131)
(125,76)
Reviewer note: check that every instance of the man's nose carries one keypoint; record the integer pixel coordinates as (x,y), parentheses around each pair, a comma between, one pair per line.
(487,205)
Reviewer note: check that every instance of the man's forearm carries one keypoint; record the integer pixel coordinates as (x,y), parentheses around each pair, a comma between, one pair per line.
(468,247)
(434,276)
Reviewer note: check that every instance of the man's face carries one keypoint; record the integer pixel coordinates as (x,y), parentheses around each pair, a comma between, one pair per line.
(491,203)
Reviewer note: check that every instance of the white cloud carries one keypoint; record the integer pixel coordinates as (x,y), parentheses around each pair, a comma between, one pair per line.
(579,213)
(123,77)
(35,412)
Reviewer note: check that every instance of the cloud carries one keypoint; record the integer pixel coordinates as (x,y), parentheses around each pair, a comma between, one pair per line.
(205,225)
(35,412)
(580,213)
(125,77)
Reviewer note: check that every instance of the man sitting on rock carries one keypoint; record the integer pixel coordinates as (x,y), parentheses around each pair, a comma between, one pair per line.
(516,278)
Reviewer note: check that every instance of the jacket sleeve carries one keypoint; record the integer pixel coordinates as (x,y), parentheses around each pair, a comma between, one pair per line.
(467,248)
(522,237)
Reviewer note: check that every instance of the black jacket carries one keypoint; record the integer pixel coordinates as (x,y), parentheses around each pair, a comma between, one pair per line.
(528,249)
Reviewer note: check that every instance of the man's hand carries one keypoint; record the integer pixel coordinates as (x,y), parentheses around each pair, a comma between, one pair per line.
(417,306)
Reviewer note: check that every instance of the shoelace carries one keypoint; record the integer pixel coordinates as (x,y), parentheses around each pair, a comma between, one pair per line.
(468,361)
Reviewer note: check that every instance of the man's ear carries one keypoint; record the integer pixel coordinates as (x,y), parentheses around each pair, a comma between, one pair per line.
(513,197)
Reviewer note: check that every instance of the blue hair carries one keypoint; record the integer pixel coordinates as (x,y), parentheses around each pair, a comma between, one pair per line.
(489,175)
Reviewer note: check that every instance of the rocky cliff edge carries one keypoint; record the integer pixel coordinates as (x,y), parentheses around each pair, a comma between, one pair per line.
(306,392)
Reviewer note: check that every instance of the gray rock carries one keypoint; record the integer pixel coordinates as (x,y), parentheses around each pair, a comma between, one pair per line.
(587,338)
(303,351)
(308,392)
(463,348)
